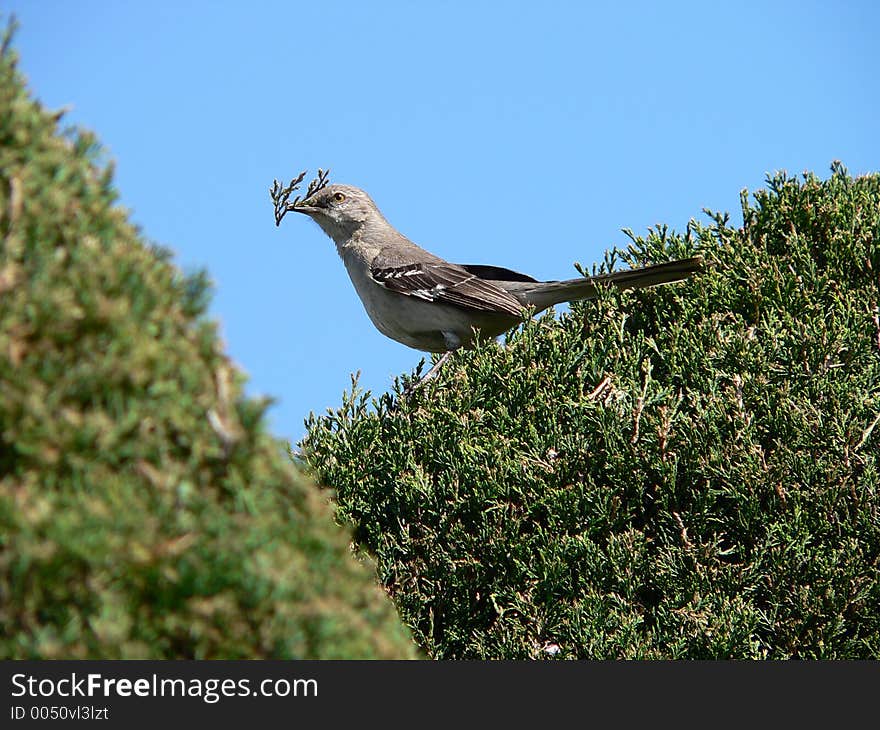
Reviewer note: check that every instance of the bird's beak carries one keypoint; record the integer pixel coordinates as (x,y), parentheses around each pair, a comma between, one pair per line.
(300,208)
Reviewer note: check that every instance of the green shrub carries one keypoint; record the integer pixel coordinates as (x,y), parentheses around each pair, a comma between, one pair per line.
(687,471)
(144,512)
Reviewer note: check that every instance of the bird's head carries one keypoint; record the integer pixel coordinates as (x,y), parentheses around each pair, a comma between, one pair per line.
(340,210)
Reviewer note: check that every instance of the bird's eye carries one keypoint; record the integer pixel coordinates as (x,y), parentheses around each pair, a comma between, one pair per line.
(339,197)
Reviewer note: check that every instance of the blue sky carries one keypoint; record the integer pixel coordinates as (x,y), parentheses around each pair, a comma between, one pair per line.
(520,134)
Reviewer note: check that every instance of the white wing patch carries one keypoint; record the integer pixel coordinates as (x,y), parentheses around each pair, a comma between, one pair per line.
(428,294)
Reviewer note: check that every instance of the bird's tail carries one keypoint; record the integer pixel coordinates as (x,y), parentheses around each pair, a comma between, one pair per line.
(547,293)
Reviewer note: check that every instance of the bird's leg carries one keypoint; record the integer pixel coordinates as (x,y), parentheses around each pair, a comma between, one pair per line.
(428,376)
(435,369)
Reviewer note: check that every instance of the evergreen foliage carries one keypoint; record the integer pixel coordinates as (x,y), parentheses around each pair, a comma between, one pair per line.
(144,511)
(689,471)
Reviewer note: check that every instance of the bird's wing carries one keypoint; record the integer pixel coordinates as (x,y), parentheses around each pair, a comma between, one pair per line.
(438,281)
(497,273)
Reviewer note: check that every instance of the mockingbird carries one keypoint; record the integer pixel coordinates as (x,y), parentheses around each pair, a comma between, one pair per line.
(424,302)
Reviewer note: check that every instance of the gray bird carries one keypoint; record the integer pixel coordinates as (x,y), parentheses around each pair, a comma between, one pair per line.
(424,302)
